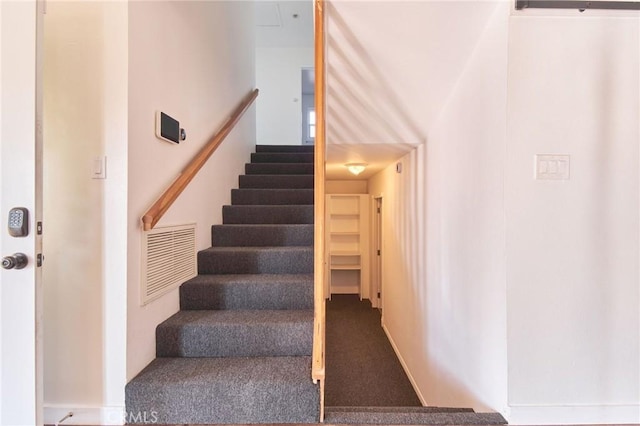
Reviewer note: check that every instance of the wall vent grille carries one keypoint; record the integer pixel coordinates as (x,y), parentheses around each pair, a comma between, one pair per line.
(169,259)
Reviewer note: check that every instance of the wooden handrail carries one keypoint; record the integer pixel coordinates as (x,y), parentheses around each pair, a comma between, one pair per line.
(153,215)
(318,366)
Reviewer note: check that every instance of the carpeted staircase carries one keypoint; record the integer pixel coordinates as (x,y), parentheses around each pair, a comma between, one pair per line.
(239,349)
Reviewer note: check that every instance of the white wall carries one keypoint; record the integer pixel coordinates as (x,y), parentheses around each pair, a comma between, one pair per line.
(346,187)
(279,78)
(213,47)
(73,134)
(572,246)
(506,293)
(465,232)
(85,236)
(443,241)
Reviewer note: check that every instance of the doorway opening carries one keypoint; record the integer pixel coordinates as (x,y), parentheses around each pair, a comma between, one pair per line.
(308,79)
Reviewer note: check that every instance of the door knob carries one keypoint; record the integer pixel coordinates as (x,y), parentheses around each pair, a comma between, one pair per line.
(15,261)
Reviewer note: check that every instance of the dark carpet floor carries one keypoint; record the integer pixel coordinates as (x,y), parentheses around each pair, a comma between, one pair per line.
(362,368)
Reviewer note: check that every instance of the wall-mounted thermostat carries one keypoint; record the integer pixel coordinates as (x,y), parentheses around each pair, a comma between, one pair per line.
(168,128)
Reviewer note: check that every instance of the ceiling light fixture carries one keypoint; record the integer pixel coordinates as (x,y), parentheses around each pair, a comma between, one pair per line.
(356,168)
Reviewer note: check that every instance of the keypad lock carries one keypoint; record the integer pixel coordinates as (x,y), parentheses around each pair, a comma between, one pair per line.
(18,222)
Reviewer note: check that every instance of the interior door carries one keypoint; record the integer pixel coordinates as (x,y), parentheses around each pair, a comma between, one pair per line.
(20,186)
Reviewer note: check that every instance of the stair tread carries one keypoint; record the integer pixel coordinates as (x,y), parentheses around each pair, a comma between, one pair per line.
(441,417)
(395,409)
(275,190)
(236,333)
(265,225)
(270,249)
(285,148)
(237,390)
(282,157)
(177,371)
(248,278)
(279,168)
(229,317)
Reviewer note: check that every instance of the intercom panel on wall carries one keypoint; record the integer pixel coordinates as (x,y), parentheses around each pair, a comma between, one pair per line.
(167,128)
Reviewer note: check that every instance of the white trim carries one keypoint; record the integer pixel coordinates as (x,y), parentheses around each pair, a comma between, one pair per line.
(84,415)
(404,365)
(521,414)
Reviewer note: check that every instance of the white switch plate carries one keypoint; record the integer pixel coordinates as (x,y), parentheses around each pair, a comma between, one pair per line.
(99,167)
(552,166)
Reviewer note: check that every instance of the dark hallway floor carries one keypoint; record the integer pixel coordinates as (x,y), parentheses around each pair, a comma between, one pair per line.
(361,367)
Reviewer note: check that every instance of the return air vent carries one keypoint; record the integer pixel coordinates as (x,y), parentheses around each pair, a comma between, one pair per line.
(169,259)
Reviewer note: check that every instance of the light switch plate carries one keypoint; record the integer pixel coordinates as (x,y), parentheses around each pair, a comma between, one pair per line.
(99,167)
(552,166)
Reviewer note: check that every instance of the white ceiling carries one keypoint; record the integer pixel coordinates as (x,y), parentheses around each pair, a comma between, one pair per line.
(276,25)
(376,156)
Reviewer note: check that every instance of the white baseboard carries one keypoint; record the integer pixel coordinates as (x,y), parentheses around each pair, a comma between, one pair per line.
(574,414)
(404,365)
(84,415)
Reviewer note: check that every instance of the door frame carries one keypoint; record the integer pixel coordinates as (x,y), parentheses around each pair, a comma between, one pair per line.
(376,280)
(21,307)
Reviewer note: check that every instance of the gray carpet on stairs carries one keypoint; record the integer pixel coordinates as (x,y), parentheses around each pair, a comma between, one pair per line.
(276,181)
(406,416)
(271,196)
(256,260)
(239,349)
(278,169)
(267,214)
(285,148)
(248,291)
(226,390)
(236,333)
(262,235)
(282,157)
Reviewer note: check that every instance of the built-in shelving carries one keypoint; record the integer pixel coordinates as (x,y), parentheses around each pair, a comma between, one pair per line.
(347,242)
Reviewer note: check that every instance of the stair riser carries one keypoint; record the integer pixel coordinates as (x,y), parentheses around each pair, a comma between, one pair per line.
(278,169)
(245,296)
(243,197)
(235,340)
(301,214)
(278,157)
(276,181)
(282,262)
(284,148)
(261,236)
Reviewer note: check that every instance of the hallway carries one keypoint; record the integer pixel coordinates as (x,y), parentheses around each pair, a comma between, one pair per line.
(362,368)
